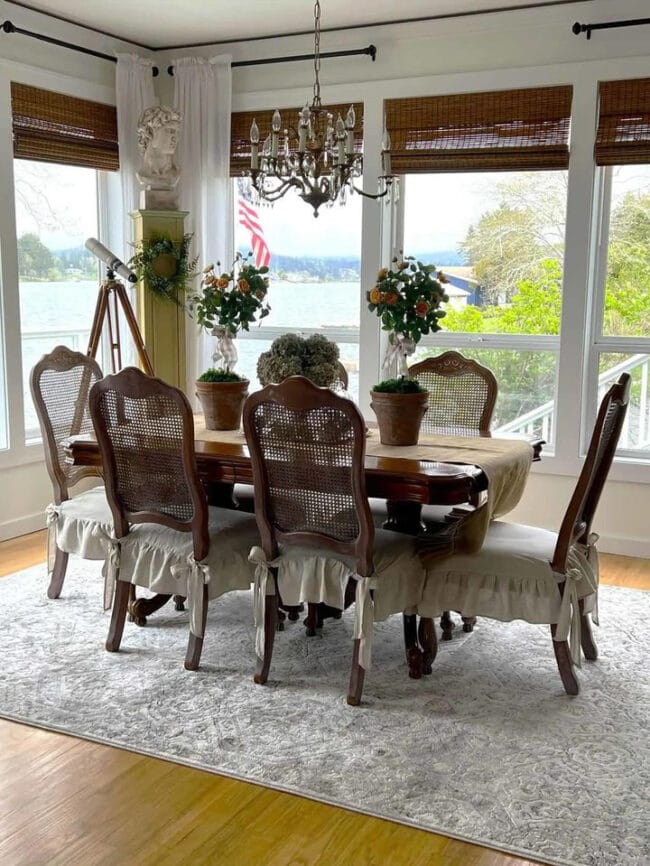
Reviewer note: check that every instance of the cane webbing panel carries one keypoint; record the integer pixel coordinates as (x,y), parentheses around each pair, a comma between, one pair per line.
(65,395)
(624,122)
(55,127)
(501,130)
(240,131)
(308,456)
(146,436)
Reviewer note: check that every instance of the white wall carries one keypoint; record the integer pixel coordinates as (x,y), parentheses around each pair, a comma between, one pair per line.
(500,50)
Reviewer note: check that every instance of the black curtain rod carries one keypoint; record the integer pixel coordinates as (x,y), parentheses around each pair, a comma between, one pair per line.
(8,27)
(371,51)
(579,28)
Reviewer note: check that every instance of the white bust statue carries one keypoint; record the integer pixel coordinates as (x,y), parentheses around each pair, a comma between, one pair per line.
(157,139)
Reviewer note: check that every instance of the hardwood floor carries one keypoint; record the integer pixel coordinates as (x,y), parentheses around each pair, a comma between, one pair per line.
(67,802)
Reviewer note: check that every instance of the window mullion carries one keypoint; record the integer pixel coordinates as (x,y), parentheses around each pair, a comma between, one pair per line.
(577,270)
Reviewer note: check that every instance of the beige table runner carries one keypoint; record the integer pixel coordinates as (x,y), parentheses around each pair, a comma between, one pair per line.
(505,462)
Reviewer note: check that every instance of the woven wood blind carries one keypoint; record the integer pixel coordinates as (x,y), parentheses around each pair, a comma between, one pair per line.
(624,122)
(502,130)
(54,127)
(240,131)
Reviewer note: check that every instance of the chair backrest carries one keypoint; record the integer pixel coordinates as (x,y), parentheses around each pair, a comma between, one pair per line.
(577,521)
(307,448)
(60,383)
(145,431)
(462,393)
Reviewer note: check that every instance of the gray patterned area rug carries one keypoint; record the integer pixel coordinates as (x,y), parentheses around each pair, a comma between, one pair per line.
(488,749)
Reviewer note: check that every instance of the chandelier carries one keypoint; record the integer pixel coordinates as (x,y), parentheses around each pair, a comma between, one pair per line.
(318,160)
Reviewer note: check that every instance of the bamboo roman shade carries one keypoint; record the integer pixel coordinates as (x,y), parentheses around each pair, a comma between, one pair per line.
(54,127)
(624,122)
(240,131)
(502,130)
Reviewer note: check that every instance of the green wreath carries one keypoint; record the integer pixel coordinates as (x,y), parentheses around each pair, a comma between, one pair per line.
(165,267)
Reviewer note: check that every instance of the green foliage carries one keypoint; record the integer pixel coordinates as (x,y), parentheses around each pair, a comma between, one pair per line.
(291,355)
(627,287)
(213,375)
(407,299)
(232,299)
(399,386)
(34,258)
(165,267)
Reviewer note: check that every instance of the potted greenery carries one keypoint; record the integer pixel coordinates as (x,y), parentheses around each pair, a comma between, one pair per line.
(407,299)
(229,302)
(316,358)
(399,405)
(222,394)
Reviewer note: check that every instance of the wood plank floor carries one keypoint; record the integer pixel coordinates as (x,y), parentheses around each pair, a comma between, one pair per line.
(67,802)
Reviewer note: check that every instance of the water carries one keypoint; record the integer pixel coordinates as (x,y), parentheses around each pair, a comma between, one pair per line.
(54,313)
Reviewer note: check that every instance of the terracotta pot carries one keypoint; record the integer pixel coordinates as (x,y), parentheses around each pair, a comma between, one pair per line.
(222,403)
(399,416)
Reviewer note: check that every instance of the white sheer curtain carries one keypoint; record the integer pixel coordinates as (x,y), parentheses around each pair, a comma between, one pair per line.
(203,93)
(134,92)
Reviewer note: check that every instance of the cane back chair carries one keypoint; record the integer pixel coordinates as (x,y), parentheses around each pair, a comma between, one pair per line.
(166,538)
(60,383)
(319,543)
(522,572)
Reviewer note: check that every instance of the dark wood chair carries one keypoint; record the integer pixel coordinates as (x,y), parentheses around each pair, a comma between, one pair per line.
(523,572)
(462,394)
(60,383)
(166,538)
(319,543)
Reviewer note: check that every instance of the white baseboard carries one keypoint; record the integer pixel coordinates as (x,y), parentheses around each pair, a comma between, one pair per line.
(22,525)
(624,546)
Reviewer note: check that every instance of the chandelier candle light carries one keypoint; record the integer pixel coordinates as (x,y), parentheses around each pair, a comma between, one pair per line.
(323,165)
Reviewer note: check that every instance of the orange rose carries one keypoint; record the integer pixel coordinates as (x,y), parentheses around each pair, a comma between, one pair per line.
(375,296)
(403,265)
(244,288)
(421,308)
(383,273)
(442,278)
(391,298)
(222,282)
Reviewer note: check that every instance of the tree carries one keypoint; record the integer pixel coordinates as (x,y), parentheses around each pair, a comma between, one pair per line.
(34,258)
(627,286)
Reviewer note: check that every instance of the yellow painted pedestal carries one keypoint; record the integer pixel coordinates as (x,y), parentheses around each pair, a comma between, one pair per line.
(162,323)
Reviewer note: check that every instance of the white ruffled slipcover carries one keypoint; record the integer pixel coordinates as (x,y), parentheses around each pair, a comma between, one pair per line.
(162,560)
(81,525)
(312,576)
(511,577)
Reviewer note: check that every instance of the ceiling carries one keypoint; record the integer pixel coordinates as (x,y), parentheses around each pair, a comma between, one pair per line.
(167,23)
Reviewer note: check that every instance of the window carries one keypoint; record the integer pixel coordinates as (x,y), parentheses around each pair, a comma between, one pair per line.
(622,321)
(497,235)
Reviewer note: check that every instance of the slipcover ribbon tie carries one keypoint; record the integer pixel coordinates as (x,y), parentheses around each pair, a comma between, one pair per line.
(260,589)
(197,575)
(51,517)
(364,618)
(395,363)
(583,567)
(110,570)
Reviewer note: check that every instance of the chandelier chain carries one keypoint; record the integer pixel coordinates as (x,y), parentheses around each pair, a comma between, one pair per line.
(317,101)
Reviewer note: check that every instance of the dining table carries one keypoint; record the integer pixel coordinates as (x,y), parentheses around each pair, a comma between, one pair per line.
(403,477)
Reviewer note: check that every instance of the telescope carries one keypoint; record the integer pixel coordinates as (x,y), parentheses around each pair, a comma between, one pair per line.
(112,262)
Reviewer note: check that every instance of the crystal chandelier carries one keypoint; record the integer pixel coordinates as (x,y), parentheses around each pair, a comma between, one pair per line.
(319,160)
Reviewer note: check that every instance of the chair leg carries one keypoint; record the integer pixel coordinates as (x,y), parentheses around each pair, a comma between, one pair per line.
(565,665)
(428,642)
(58,574)
(413,651)
(311,622)
(468,623)
(195,644)
(118,616)
(357,675)
(270,626)
(447,625)
(141,608)
(589,647)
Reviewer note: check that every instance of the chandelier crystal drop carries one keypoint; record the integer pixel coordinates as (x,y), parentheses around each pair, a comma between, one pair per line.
(318,159)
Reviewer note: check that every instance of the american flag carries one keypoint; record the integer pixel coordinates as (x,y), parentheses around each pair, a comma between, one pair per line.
(249,219)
